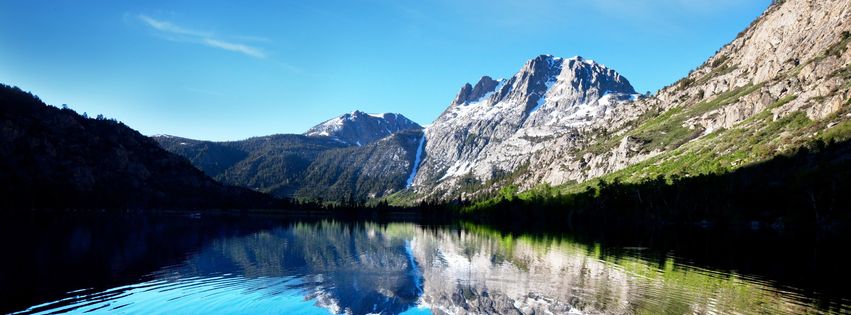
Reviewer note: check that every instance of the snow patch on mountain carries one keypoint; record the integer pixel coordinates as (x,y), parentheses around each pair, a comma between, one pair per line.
(543,99)
(359,128)
(484,98)
(494,127)
(458,169)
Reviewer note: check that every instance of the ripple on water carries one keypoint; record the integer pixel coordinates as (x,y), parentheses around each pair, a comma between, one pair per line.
(198,295)
(404,268)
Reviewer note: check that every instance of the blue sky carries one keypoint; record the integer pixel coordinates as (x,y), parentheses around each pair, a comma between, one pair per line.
(224,70)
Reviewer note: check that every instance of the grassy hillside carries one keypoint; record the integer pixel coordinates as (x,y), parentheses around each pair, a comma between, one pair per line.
(782,164)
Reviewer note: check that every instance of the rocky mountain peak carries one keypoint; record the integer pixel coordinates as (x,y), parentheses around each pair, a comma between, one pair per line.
(470,93)
(490,127)
(356,113)
(361,128)
(552,79)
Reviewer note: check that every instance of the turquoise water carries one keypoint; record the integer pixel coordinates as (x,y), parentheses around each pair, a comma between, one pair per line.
(226,294)
(186,265)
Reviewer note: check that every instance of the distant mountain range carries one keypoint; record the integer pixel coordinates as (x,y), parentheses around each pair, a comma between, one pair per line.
(490,126)
(352,157)
(782,83)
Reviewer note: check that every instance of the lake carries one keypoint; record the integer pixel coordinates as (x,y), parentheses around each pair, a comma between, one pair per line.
(196,263)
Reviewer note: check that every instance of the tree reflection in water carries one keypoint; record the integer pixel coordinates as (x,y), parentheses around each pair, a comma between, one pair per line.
(368,268)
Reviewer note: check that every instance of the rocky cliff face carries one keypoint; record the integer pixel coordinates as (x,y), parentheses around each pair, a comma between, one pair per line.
(359,128)
(495,127)
(781,83)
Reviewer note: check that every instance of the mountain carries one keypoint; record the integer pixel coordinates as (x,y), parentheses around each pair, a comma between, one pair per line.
(782,83)
(54,158)
(359,128)
(497,127)
(352,157)
(271,164)
(359,275)
(370,171)
(211,157)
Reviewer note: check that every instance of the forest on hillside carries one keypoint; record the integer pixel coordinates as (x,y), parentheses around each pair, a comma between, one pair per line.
(805,189)
(54,158)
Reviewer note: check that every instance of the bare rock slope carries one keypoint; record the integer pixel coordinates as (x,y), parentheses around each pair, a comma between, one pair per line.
(781,83)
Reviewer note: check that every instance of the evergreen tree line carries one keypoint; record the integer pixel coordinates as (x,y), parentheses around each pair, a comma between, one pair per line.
(54,158)
(808,189)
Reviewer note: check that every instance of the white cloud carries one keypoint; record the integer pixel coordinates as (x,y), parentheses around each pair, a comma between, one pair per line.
(240,48)
(178,33)
(168,27)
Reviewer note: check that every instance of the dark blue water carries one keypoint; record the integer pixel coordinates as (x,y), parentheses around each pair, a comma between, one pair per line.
(225,264)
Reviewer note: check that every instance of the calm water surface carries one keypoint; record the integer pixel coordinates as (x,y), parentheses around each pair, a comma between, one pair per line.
(179,264)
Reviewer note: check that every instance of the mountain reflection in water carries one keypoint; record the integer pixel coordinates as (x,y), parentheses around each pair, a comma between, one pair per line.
(284,267)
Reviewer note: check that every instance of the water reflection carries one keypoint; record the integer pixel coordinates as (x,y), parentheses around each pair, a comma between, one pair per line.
(489,273)
(346,269)
(367,268)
